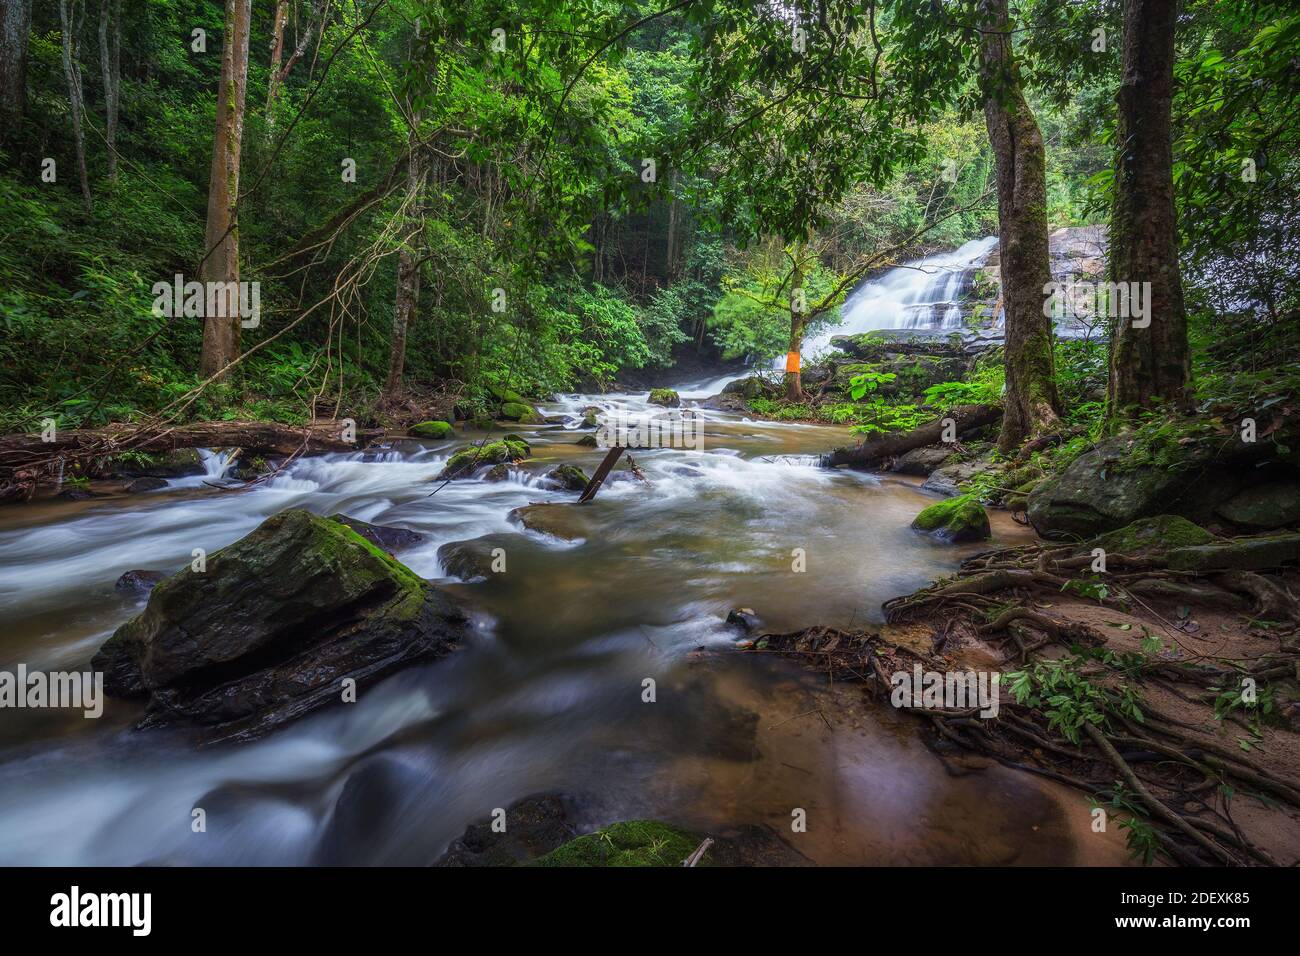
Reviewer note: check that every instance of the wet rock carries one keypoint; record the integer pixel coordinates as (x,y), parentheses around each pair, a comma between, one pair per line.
(268,630)
(471,560)
(948,479)
(590,417)
(922,461)
(587,441)
(535,826)
(755,386)
(390,539)
(376,790)
(556,519)
(726,403)
(465,462)
(145,484)
(434,430)
(568,477)
(665,397)
(1275,504)
(743,618)
(76,493)
(956,520)
(140,582)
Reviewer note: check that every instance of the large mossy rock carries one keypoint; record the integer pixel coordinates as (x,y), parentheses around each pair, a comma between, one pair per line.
(630,843)
(522,413)
(467,461)
(956,520)
(568,477)
(1187,469)
(267,631)
(502,394)
(750,388)
(665,397)
(1149,536)
(436,430)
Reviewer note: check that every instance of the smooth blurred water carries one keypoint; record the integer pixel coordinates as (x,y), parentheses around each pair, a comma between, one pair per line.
(547,695)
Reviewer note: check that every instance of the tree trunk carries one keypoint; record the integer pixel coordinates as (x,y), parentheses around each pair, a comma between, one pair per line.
(277,53)
(1152,365)
(221,240)
(278,74)
(798,320)
(670,247)
(71,15)
(15,29)
(110,60)
(1032,405)
(408,274)
(876,451)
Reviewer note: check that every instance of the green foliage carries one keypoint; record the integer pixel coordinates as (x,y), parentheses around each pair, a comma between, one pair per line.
(1068,698)
(983,388)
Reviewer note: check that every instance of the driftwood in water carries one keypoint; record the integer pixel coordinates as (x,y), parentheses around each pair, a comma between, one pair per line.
(602,472)
(876,451)
(27,459)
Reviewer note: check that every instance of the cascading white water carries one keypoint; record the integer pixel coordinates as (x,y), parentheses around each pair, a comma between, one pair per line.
(917,295)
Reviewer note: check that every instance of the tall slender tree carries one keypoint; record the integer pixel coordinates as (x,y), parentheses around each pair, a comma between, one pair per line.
(72,14)
(1149,365)
(1032,404)
(110,60)
(220,261)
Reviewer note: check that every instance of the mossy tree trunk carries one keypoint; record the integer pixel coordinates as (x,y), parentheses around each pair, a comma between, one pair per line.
(1152,365)
(1032,405)
(220,261)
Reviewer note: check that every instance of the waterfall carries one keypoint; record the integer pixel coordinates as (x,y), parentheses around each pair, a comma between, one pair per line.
(924,294)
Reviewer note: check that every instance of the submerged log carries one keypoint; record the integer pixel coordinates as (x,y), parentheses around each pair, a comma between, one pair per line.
(602,472)
(876,451)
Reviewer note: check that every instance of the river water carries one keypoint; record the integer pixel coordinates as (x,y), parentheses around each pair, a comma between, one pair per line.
(547,695)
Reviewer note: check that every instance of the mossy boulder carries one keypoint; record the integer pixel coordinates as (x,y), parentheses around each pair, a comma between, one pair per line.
(467,461)
(271,625)
(587,441)
(436,430)
(568,477)
(956,520)
(1184,467)
(1239,554)
(750,388)
(1152,536)
(630,843)
(522,413)
(503,394)
(665,397)
(390,539)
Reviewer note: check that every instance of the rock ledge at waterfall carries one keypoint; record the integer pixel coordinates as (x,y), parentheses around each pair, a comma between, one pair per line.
(269,629)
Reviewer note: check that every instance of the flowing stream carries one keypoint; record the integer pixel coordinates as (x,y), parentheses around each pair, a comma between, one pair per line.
(547,695)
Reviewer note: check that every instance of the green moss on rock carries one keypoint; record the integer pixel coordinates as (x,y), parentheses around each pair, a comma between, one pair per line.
(521,412)
(432,430)
(569,477)
(1153,535)
(464,462)
(665,397)
(958,519)
(630,843)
